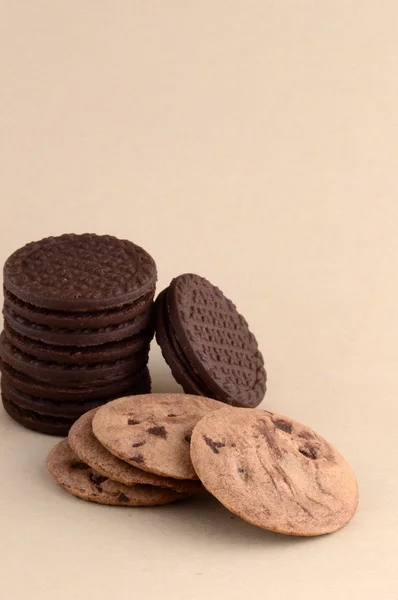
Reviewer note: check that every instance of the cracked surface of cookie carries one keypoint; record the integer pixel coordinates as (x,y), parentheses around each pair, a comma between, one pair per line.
(274,472)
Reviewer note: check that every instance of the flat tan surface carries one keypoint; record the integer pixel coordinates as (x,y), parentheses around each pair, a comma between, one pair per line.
(255,143)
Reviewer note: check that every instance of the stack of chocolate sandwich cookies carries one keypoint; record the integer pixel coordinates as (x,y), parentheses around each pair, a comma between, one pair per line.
(132,452)
(78,322)
(208,344)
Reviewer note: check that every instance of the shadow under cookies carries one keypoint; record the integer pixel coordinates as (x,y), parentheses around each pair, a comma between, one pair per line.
(208,521)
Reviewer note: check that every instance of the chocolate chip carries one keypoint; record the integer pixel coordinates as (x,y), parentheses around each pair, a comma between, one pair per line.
(79,465)
(158,431)
(122,497)
(213,445)
(171,415)
(187,438)
(284,425)
(138,458)
(243,473)
(97,479)
(138,444)
(309,452)
(133,422)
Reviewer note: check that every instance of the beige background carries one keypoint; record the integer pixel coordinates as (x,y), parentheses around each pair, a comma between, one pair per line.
(255,143)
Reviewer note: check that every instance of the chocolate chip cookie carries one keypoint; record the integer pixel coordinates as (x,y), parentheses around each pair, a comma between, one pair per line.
(86,446)
(274,472)
(78,479)
(153,432)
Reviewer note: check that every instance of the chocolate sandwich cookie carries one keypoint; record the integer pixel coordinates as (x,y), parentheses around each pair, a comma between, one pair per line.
(85,272)
(69,375)
(43,406)
(78,316)
(173,355)
(88,449)
(274,472)
(71,409)
(77,355)
(208,344)
(77,337)
(78,319)
(153,432)
(30,386)
(85,483)
(33,420)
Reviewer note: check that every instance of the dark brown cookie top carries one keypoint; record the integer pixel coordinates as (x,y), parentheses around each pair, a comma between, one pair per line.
(217,341)
(274,472)
(77,478)
(80,272)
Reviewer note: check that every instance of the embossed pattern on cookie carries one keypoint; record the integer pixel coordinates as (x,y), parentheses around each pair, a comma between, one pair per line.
(217,341)
(80,272)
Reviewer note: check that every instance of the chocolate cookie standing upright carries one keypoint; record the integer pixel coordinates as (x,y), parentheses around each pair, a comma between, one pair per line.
(208,344)
(78,324)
